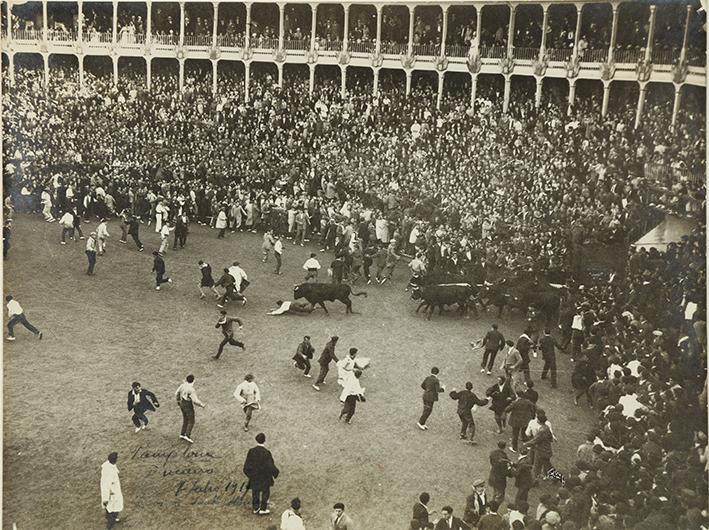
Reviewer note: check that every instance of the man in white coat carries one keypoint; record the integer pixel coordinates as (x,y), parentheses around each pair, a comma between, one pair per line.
(111,495)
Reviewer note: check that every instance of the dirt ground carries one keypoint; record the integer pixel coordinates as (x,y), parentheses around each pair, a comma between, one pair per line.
(65,396)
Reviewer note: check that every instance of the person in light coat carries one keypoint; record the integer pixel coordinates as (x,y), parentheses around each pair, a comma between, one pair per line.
(102,233)
(248,395)
(111,495)
(221,223)
(161,213)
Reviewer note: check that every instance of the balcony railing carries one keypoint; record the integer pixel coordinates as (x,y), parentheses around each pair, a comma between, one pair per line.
(164,40)
(559,54)
(393,48)
(127,38)
(426,50)
(525,54)
(628,56)
(230,41)
(329,45)
(493,52)
(264,43)
(594,56)
(361,47)
(665,56)
(98,38)
(27,34)
(455,50)
(198,40)
(296,44)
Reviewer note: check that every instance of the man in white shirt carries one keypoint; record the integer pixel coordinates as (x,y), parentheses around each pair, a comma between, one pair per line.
(312,266)
(67,224)
(91,247)
(15,316)
(291,520)
(248,395)
(186,400)
(278,252)
(46,200)
(345,368)
(165,230)
(239,276)
(102,233)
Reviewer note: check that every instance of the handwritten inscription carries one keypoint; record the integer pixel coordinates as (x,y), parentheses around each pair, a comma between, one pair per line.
(196,482)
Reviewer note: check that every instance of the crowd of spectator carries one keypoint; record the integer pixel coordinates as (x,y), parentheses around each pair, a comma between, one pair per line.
(460,185)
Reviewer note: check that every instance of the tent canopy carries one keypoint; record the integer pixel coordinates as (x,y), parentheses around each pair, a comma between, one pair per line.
(670,230)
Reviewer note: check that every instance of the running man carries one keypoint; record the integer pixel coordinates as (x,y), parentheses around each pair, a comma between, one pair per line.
(16,315)
(227,325)
(207,281)
(249,397)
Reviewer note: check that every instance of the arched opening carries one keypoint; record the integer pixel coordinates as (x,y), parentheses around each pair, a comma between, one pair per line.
(264,26)
(395,29)
(132,72)
(63,69)
(165,75)
(360,80)
(132,19)
(98,22)
(230,79)
(297,22)
(231,24)
(362,32)
(494,32)
(165,23)
(330,26)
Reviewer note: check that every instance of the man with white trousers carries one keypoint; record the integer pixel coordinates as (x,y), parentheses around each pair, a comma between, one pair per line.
(111,495)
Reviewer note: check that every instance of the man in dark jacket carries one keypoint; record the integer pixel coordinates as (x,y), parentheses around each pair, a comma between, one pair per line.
(327,355)
(261,470)
(422,513)
(520,411)
(227,324)
(303,354)
(181,230)
(499,467)
(133,229)
(466,400)
(548,345)
(159,270)
(141,400)
(431,388)
(523,477)
(524,345)
(493,343)
(449,522)
(502,395)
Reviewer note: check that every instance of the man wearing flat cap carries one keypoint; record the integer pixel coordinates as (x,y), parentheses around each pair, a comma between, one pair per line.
(476,504)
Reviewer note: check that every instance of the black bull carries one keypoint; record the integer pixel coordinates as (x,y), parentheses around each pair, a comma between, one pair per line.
(544,297)
(318,293)
(441,295)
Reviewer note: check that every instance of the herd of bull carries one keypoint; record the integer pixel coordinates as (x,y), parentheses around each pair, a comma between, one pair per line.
(435,290)
(520,292)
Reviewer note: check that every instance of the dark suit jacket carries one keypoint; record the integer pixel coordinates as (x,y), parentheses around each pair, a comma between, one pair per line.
(158,265)
(498,468)
(521,411)
(458,524)
(328,354)
(532,395)
(500,399)
(523,474)
(421,515)
(466,400)
(431,387)
(260,468)
(147,401)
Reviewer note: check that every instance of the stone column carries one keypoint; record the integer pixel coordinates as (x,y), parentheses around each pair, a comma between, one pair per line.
(115,70)
(375,81)
(545,23)
(378,43)
(247,32)
(279,67)
(181,78)
(281,25)
(473,88)
(606,98)
(148,72)
(149,25)
(182,26)
(215,68)
(641,104)
(506,98)
(577,31)
(412,13)
(538,93)
(313,25)
(511,31)
(11,67)
(247,74)
(45,22)
(80,24)
(675,106)
(614,32)
(311,79)
(80,58)
(444,32)
(215,20)
(478,27)
(345,32)
(650,34)
(408,82)
(45,56)
(683,53)
(572,95)
(441,81)
(343,81)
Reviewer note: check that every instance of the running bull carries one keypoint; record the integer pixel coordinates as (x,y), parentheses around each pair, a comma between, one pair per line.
(441,295)
(318,293)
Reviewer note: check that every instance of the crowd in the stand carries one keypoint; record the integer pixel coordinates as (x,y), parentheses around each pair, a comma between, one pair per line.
(373,177)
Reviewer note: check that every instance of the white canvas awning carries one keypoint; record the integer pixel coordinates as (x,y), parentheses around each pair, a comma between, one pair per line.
(670,230)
